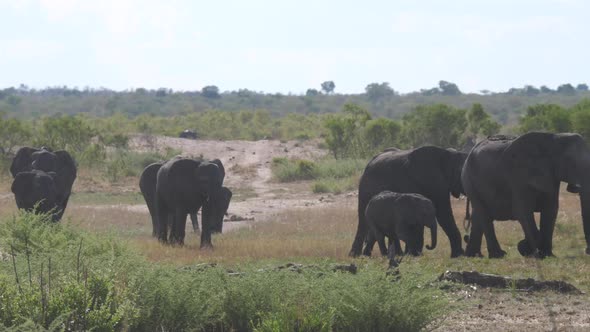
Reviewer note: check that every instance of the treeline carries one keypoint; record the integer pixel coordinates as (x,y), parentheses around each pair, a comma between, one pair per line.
(378,98)
(353,132)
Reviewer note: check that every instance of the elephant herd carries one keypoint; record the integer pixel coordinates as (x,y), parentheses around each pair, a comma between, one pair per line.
(503,177)
(180,187)
(43,180)
(400,193)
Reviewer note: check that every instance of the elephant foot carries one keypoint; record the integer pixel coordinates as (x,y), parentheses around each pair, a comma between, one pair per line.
(206,246)
(466,238)
(367,252)
(497,254)
(473,253)
(354,253)
(588,251)
(457,253)
(525,249)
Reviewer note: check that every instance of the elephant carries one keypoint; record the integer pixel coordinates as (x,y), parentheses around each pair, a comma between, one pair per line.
(44,159)
(510,178)
(401,217)
(184,185)
(147,186)
(431,171)
(36,191)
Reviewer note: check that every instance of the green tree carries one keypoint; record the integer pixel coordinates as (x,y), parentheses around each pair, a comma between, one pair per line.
(328,87)
(566,89)
(381,133)
(439,125)
(210,91)
(345,131)
(311,93)
(378,91)
(479,123)
(582,87)
(448,88)
(71,133)
(13,132)
(546,117)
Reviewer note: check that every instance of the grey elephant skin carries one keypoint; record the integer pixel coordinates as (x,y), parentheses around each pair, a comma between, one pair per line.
(401,217)
(511,178)
(182,187)
(59,162)
(35,191)
(147,186)
(430,171)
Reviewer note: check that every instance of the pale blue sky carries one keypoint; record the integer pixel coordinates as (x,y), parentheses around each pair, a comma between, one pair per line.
(289,46)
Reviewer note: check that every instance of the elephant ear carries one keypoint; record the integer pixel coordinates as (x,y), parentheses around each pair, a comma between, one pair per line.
(529,157)
(65,164)
(23,161)
(221,168)
(430,167)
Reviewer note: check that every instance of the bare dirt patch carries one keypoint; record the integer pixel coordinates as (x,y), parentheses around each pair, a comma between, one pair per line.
(247,165)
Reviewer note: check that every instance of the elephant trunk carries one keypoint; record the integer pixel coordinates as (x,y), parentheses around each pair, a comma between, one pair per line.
(433,236)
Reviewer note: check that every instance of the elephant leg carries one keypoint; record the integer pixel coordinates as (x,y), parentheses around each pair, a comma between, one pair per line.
(362,227)
(61,207)
(195,221)
(397,245)
(206,228)
(494,249)
(531,233)
(391,255)
(414,247)
(381,241)
(155,230)
(369,244)
(444,215)
(164,222)
(547,225)
(178,228)
(473,248)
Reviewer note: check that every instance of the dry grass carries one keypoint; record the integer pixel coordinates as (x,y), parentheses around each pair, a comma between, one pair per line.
(246,171)
(326,233)
(294,235)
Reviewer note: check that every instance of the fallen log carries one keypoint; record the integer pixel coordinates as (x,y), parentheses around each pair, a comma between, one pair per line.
(496,281)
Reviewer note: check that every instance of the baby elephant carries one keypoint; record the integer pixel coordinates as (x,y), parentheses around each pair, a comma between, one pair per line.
(401,217)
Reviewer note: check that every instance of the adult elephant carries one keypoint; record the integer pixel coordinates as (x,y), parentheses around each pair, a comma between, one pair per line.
(511,178)
(44,159)
(429,170)
(147,186)
(184,185)
(36,191)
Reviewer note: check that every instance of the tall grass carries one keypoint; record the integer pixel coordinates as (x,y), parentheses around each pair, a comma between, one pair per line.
(54,276)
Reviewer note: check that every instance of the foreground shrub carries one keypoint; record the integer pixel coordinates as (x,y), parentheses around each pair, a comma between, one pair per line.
(53,276)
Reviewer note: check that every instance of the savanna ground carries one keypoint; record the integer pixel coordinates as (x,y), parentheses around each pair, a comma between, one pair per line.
(279,223)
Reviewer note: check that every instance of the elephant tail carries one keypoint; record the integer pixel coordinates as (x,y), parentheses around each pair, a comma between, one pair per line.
(467,222)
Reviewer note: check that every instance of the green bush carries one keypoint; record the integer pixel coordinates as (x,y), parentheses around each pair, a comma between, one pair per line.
(70,280)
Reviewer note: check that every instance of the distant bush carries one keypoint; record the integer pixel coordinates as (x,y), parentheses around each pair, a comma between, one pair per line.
(287,170)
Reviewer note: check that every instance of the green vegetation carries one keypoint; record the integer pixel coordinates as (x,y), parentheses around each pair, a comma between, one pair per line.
(380,99)
(53,276)
(329,175)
